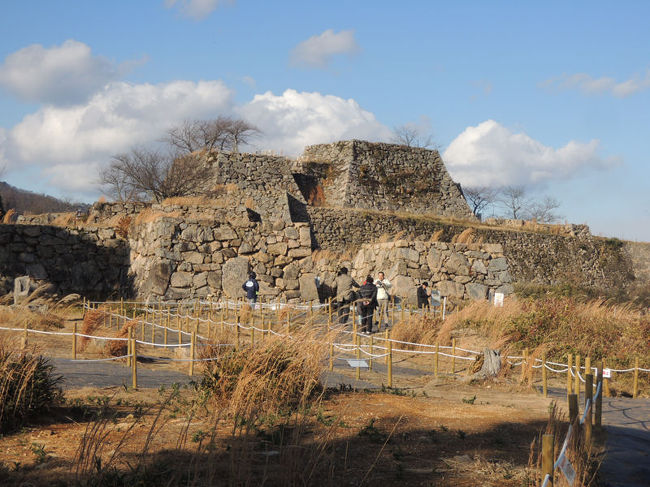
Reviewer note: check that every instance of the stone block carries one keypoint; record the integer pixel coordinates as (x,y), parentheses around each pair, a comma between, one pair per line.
(435,259)
(498,264)
(308,289)
(457,264)
(451,289)
(292,233)
(199,280)
(506,289)
(476,291)
(279,248)
(23,286)
(305,236)
(181,279)
(478,267)
(235,273)
(224,232)
(300,252)
(193,257)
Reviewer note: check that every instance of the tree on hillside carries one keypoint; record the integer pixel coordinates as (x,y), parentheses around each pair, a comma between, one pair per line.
(544,211)
(221,133)
(411,135)
(479,198)
(143,174)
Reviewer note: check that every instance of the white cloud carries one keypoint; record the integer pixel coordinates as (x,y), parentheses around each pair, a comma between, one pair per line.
(64,74)
(196,9)
(597,86)
(293,120)
(68,144)
(318,51)
(122,115)
(492,155)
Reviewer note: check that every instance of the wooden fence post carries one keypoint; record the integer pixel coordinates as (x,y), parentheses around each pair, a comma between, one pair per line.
(589,405)
(573,408)
(576,381)
(544,377)
(635,386)
(387,339)
(547,458)
(453,358)
(134,362)
(588,367)
(524,364)
(74,341)
(390,361)
(436,362)
(192,352)
(569,379)
(598,418)
(606,390)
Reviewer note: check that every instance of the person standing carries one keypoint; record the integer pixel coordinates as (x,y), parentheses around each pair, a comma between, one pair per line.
(343,285)
(252,287)
(423,296)
(383,298)
(367,304)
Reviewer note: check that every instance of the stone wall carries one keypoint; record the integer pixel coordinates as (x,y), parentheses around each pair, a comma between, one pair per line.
(458,271)
(93,262)
(639,254)
(540,258)
(179,257)
(380,176)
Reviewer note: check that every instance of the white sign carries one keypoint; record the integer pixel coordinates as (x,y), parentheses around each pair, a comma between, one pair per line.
(357,363)
(498,299)
(567,469)
(607,373)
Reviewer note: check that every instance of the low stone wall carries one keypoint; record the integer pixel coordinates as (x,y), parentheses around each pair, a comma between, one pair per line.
(92,262)
(458,271)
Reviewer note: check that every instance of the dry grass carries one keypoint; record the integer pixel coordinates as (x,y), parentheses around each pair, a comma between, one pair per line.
(27,385)
(93,320)
(119,348)
(466,236)
(65,219)
(9,216)
(149,215)
(435,237)
(21,317)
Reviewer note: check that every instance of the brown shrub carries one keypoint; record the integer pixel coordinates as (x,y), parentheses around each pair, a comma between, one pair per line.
(118,348)
(9,216)
(93,320)
(122,227)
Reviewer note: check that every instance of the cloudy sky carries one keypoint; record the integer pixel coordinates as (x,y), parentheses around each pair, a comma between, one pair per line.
(554,96)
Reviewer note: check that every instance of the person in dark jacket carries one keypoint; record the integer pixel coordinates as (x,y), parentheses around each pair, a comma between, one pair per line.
(367,304)
(423,296)
(343,287)
(252,287)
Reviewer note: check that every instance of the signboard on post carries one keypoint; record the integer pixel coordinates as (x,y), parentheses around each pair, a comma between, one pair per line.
(607,373)
(498,299)
(567,469)
(435,298)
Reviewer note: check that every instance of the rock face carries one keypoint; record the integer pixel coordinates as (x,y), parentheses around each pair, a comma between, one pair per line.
(235,273)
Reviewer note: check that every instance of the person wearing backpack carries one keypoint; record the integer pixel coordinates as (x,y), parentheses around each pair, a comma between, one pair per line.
(252,287)
(367,304)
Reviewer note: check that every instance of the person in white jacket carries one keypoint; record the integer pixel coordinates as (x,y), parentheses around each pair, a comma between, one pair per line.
(383,298)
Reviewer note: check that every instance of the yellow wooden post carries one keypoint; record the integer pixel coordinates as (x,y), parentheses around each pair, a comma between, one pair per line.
(358,342)
(121,306)
(74,341)
(329,311)
(606,390)
(635,387)
(588,366)
(134,363)
(569,379)
(547,458)
(573,408)
(436,360)
(524,364)
(390,361)
(453,353)
(544,377)
(387,339)
(192,351)
(576,382)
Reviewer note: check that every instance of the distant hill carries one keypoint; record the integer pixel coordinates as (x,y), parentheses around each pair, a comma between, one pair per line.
(24,201)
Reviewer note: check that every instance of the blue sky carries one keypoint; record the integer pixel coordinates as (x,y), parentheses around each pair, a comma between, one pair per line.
(553,95)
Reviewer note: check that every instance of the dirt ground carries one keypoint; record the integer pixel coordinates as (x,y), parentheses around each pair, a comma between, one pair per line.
(443,435)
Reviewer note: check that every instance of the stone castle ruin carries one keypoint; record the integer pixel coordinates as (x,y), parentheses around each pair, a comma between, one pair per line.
(369,206)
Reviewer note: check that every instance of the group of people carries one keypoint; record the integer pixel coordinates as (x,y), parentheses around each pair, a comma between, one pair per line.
(372,294)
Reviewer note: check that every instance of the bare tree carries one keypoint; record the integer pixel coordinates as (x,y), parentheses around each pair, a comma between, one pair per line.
(480,197)
(222,133)
(544,211)
(514,202)
(148,174)
(411,135)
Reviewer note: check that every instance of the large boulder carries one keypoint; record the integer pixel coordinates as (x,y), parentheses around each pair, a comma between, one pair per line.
(158,278)
(308,289)
(405,289)
(451,289)
(476,291)
(23,287)
(234,274)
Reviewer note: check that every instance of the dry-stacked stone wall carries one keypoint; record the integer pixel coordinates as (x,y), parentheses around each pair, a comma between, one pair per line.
(380,176)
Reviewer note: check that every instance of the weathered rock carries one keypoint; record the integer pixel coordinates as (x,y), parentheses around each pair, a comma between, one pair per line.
(451,289)
(498,264)
(308,289)
(158,279)
(235,273)
(23,286)
(279,248)
(181,279)
(476,291)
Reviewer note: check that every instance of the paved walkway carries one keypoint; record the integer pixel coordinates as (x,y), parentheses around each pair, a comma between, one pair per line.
(627,462)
